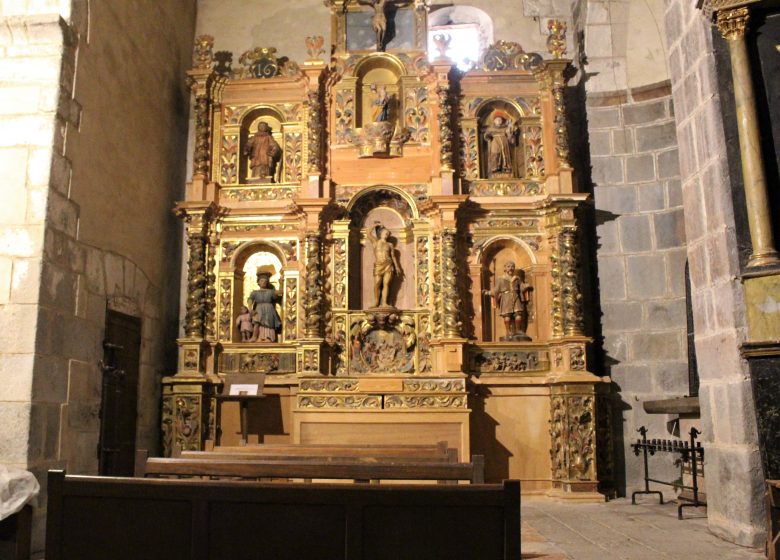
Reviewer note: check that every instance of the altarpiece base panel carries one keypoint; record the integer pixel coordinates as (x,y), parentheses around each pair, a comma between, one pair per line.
(394,244)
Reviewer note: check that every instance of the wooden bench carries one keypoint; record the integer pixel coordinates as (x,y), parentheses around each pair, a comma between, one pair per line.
(308,469)
(91,518)
(330,453)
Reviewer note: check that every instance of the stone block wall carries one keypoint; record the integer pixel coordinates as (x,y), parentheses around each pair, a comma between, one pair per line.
(641,258)
(93,128)
(733,465)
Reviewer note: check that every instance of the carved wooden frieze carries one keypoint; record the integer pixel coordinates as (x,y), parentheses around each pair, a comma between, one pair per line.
(254,194)
(505,188)
(425,401)
(329,385)
(257,362)
(187,422)
(434,385)
(290,309)
(340,401)
(504,361)
(225,309)
(573,434)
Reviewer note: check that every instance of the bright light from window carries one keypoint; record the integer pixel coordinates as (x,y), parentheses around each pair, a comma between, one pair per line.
(464,44)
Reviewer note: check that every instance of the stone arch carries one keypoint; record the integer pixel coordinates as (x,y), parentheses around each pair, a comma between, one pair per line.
(382,195)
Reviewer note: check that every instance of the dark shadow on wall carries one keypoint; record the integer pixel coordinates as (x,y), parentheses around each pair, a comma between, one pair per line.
(611,457)
(483,437)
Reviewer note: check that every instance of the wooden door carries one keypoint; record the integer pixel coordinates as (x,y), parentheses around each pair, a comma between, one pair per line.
(119,402)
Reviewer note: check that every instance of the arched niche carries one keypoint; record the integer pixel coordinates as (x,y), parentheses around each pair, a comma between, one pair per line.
(378,71)
(273,118)
(392,209)
(248,260)
(494,255)
(501,153)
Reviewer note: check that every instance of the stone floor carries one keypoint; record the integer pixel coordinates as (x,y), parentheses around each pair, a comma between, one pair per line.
(618,530)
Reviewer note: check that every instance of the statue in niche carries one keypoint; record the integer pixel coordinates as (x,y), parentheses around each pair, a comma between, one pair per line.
(244,324)
(378,21)
(385,264)
(262,302)
(263,152)
(511,295)
(501,138)
(380,105)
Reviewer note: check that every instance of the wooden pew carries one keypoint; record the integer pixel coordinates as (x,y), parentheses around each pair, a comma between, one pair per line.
(91,518)
(340,453)
(308,469)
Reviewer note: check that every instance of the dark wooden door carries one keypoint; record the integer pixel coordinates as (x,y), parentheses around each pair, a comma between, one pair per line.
(119,402)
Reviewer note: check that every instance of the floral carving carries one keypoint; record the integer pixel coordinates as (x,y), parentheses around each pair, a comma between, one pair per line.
(445,125)
(314,131)
(187,422)
(572,429)
(427,401)
(505,188)
(469,153)
(253,194)
(340,345)
(328,385)
(577,358)
(293,147)
(291,309)
(424,345)
(203,55)
(225,317)
(166,425)
(229,159)
(340,401)
(556,41)
(437,317)
(435,385)
(423,280)
(534,155)
(340,273)
(262,62)
(416,114)
(345,117)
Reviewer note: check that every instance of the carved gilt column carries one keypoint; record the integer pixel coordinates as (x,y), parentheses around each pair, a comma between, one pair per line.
(449,285)
(312,305)
(732,24)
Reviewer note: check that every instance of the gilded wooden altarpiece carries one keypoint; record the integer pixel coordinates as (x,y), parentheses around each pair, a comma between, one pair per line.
(467,172)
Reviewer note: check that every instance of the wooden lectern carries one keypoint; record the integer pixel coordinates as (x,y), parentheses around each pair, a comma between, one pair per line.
(242,388)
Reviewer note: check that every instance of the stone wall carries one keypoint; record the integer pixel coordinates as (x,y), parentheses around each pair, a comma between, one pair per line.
(641,259)
(93,128)
(733,464)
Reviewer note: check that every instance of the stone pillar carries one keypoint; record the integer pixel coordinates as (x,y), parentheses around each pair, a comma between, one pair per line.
(732,25)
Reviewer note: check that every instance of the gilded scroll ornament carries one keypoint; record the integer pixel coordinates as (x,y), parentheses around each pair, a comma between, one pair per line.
(427,401)
(340,401)
(505,188)
(732,24)
(416,114)
(203,55)
(345,117)
(254,194)
(572,430)
(571,294)
(469,152)
(312,304)
(507,362)
(435,385)
(424,364)
(262,62)
(202,145)
(437,319)
(187,422)
(423,269)
(577,358)
(508,223)
(225,317)
(195,310)
(534,151)
(293,144)
(166,425)
(561,129)
(314,131)
(291,309)
(445,125)
(451,299)
(505,55)
(329,385)
(339,273)
(229,160)
(340,345)
(556,41)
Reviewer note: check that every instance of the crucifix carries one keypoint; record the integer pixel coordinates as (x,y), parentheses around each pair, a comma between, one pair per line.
(378,21)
